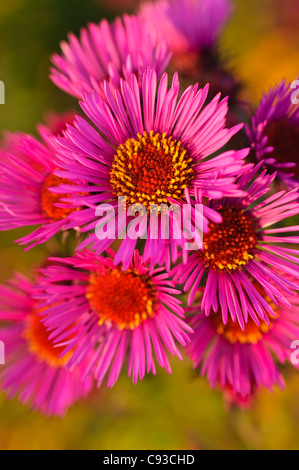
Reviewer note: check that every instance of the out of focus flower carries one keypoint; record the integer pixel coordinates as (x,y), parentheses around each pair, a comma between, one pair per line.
(157,153)
(54,124)
(241,252)
(243,361)
(34,371)
(108,52)
(275,132)
(193,29)
(26,177)
(99,309)
(188,25)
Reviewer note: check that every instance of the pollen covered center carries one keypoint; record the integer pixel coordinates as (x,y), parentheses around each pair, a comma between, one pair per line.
(231,244)
(151,169)
(284,137)
(49,199)
(39,343)
(122,299)
(232,332)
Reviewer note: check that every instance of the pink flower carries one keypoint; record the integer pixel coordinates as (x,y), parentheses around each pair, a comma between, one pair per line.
(97,309)
(157,152)
(27,177)
(34,372)
(239,360)
(243,248)
(107,52)
(188,25)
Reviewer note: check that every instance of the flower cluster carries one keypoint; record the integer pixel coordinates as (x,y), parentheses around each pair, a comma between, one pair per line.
(146,150)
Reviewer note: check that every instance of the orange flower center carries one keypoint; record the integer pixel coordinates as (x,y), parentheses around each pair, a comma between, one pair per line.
(122,299)
(49,199)
(230,244)
(151,169)
(233,333)
(284,137)
(39,344)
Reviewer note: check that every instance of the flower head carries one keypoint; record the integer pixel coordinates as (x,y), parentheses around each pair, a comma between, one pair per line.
(241,252)
(150,148)
(189,25)
(97,308)
(275,133)
(26,180)
(107,52)
(34,371)
(243,361)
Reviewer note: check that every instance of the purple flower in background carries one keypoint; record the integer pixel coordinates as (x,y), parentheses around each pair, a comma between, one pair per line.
(155,153)
(242,251)
(239,360)
(274,133)
(188,25)
(108,52)
(98,309)
(34,372)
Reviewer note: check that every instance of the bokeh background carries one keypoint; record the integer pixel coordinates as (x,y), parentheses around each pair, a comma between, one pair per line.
(163,412)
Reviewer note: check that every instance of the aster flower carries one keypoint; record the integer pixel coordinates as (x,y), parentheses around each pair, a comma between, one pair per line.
(243,361)
(107,52)
(26,178)
(242,250)
(193,29)
(154,153)
(275,133)
(33,371)
(97,308)
(189,25)
(54,124)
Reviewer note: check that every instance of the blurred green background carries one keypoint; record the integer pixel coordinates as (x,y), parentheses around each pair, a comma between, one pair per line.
(166,412)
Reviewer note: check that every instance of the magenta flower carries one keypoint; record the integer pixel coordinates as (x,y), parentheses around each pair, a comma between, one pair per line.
(99,309)
(108,52)
(242,251)
(55,124)
(275,132)
(26,178)
(239,360)
(33,371)
(157,153)
(188,25)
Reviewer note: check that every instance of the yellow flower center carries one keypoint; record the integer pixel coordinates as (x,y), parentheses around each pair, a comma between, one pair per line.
(151,169)
(233,333)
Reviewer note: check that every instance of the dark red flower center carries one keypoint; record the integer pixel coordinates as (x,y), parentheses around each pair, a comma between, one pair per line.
(122,299)
(151,169)
(230,244)
(284,137)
